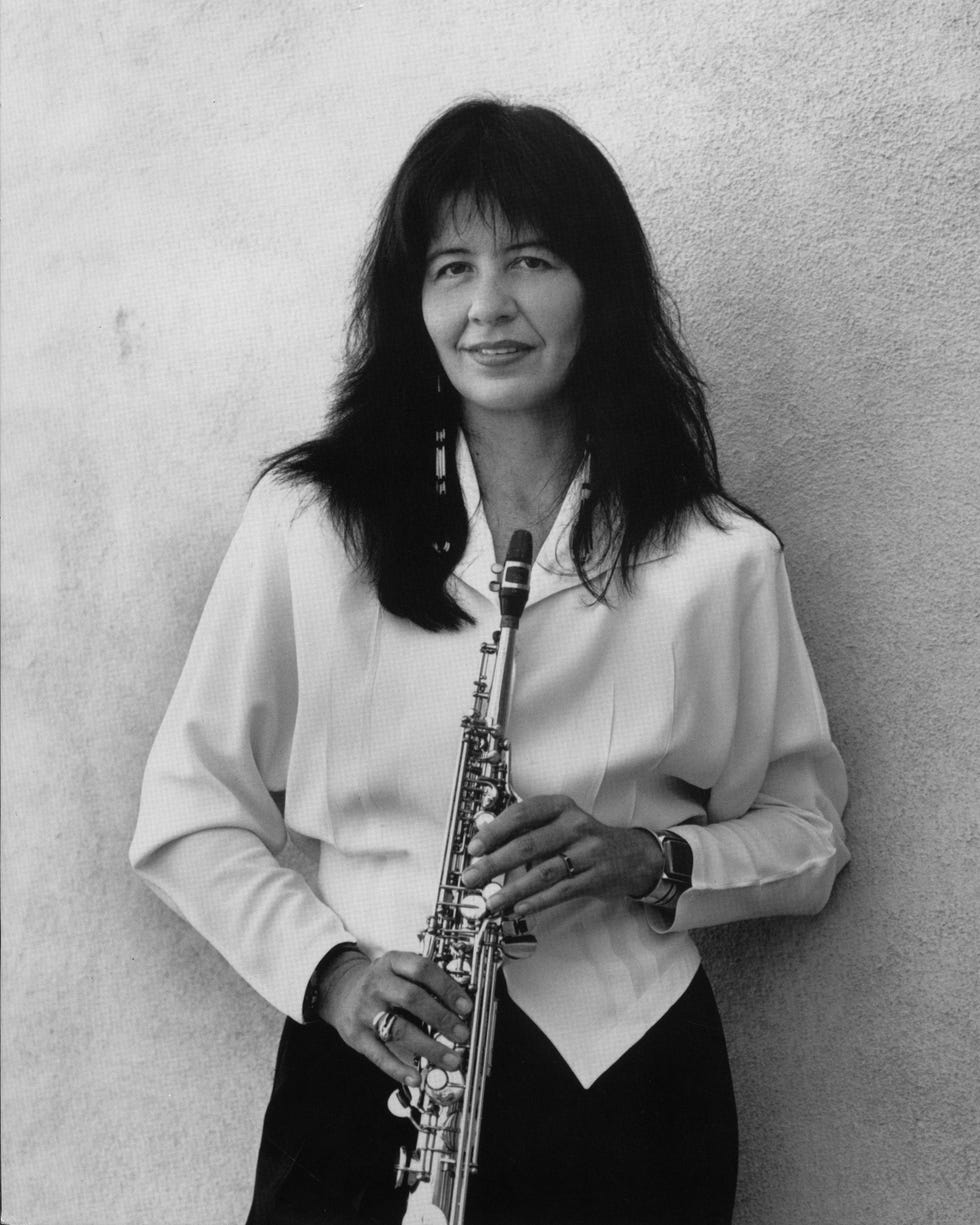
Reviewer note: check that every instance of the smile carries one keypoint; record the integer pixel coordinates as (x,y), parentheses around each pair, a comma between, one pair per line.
(497,346)
(497,353)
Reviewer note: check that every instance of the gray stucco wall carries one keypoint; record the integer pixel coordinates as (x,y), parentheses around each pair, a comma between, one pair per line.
(185,189)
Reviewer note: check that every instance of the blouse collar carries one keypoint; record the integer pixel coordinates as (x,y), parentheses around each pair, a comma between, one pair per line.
(554,567)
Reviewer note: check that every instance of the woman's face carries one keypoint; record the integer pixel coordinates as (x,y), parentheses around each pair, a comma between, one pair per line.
(503,311)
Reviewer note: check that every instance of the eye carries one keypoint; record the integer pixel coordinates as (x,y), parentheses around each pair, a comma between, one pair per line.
(449,271)
(533,263)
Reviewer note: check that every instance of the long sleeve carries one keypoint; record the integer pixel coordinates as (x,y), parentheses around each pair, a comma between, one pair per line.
(209,830)
(772,842)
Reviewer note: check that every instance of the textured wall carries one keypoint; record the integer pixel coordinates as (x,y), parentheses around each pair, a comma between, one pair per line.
(185,188)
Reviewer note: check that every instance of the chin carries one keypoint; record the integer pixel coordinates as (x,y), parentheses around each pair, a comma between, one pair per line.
(504,401)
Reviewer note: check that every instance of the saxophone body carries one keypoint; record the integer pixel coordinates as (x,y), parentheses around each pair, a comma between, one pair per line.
(462,937)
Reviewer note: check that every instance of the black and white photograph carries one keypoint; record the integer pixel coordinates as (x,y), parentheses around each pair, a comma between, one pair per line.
(490,588)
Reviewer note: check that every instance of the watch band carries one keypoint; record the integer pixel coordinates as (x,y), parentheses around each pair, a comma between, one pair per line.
(678,867)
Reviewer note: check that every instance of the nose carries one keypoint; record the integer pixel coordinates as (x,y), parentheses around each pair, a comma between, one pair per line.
(491,303)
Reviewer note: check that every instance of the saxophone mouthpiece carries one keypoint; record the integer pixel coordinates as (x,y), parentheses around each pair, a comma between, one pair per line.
(515,579)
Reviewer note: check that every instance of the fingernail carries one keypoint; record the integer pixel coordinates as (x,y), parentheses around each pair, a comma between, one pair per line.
(464,1005)
(460,1033)
(469,876)
(412,1080)
(475,847)
(451,1061)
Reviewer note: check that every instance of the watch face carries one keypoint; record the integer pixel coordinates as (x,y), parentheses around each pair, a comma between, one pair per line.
(678,860)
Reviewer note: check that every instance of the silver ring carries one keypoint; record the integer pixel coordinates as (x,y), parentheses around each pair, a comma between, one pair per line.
(383,1024)
(569,866)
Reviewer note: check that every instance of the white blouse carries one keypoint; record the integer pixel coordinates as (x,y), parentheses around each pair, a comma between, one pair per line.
(691,698)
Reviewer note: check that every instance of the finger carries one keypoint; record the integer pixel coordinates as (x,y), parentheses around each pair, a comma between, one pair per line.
(383,1057)
(528,849)
(413,999)
(565,891)
(525,814)
(550,877)
(409,1042)
(414,968)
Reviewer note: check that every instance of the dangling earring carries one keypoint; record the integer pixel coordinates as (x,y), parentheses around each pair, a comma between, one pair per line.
(444,546)
(440,463)
(438,384)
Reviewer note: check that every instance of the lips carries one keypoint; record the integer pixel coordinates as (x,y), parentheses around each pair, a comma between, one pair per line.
(497,354)
(491,347)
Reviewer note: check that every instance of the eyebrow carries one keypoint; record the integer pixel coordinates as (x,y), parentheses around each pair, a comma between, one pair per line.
(440,252)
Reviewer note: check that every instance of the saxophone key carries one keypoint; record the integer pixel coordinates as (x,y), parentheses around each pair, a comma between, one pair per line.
(472,908)
(408,1169)
(458,968)
(399,1104)
(489,798)
(516,946)
(444,1086)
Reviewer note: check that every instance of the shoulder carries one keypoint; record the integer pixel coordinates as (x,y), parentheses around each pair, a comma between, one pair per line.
(277,505)
(734,549)
(277,500)
(717,566)
(286,516)
(716,577)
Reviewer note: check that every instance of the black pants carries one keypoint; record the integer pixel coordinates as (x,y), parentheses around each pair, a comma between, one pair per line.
(652,1142)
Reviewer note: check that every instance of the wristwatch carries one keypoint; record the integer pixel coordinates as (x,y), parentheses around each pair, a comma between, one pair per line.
(675,876)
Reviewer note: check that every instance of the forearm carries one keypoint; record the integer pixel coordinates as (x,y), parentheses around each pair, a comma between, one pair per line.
(263,918)
(772,861)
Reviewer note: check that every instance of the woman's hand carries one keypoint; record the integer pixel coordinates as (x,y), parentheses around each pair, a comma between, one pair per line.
(355,989)
(567,852)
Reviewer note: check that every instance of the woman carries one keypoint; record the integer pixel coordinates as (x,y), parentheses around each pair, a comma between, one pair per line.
(667,729)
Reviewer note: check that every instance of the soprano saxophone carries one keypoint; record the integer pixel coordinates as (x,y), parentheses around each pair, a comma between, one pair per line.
(462,937)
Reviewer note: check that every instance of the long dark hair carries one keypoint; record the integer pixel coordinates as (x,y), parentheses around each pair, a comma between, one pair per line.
(638,402)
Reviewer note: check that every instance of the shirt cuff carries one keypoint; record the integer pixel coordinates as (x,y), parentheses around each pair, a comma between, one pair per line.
(311,999)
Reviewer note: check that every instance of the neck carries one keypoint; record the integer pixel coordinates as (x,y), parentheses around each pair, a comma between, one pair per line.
(523,464)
